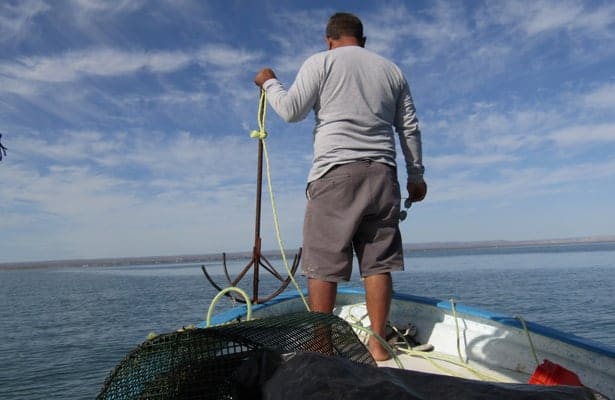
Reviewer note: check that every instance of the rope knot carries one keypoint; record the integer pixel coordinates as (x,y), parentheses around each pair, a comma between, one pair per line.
(258,134)
(261,133)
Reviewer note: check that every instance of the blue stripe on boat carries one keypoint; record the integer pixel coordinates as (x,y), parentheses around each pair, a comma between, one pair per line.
(593,346)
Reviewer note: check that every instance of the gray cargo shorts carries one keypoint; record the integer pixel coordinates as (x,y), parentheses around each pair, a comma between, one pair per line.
(356,207)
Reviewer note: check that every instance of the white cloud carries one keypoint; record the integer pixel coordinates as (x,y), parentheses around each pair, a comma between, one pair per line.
(101,62)
(170,96)
(464,161)
(72,65)
(497,131)
(59,85)
(17,87)
(599,20)
(432,31)
(106,130)
(224,56)
(298,35)
(16,19)
(602,97)
(549,15)
(510,183)
(107,6)
(538,17)
(444,23)
(583,135)
(589,171)
(92,188)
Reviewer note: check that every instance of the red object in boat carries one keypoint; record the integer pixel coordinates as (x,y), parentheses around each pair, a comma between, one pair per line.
(549,373)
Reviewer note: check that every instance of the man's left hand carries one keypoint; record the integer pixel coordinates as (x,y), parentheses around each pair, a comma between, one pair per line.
(263,76)
(417,191)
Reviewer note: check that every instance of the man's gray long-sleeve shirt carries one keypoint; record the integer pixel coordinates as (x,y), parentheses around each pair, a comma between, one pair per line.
(357,97)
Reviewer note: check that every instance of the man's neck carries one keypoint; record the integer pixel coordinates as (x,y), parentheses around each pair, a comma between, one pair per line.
(345,41)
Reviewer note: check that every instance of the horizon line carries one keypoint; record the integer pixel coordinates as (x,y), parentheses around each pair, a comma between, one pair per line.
(208,257)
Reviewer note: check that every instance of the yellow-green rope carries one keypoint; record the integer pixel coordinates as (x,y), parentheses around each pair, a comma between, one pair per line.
(210,311)
(261,134)
(529,338)
(454,309)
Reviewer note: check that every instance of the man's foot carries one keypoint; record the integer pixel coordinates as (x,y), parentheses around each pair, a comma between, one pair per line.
(378,351)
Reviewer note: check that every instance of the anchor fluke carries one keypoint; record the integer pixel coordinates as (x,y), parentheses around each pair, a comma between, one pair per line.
(255,262)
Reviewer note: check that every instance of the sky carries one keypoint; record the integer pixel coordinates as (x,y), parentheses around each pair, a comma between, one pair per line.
(127,123)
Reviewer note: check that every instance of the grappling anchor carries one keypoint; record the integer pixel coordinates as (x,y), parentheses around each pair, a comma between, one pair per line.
(258,259)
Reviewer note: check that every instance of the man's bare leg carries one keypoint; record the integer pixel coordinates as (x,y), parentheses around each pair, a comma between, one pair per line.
(378,289)
(322,295)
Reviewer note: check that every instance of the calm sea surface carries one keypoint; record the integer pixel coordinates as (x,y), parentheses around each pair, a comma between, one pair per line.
(63,330)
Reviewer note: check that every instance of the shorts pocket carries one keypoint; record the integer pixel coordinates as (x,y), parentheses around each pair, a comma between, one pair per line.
(327,186)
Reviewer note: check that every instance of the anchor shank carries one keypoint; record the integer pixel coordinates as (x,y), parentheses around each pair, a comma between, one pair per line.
(259,186)
(257,258)
(256,254)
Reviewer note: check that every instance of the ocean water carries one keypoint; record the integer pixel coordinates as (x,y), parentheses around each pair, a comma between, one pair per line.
(63,330)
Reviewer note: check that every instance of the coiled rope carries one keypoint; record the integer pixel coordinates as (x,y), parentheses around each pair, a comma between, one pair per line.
(431,356)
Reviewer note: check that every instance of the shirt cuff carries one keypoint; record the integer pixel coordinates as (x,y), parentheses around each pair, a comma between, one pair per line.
(268,83)
(415,174)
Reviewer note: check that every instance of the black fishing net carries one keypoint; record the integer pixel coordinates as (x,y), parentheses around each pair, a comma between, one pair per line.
(230,361)
(296,356)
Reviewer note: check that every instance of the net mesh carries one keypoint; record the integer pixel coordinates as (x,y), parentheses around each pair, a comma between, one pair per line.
(201,363)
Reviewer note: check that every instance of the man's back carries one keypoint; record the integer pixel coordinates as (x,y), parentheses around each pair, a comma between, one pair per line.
(356,96)
(356,107)
(359,89)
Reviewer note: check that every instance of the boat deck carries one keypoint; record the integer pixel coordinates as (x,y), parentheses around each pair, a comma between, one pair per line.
(433,363)
(468,343)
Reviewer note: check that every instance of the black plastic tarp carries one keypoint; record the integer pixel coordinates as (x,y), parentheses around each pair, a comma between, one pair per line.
(315,376)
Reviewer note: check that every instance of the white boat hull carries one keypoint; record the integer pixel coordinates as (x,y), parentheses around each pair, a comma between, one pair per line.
(467,342)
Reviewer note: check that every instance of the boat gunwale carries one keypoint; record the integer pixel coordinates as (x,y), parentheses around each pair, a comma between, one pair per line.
(503,319)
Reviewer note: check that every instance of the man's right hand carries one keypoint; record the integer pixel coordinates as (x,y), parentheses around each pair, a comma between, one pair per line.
(263,76)
(416,191)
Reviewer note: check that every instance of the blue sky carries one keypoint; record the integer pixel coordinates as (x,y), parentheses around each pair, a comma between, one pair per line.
(127,122)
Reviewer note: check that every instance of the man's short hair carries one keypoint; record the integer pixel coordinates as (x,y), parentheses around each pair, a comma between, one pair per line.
(344,24)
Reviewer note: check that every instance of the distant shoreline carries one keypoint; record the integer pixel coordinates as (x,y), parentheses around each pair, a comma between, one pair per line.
(274,254)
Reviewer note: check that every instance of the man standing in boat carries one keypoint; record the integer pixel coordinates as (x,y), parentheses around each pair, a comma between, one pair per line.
(353,194)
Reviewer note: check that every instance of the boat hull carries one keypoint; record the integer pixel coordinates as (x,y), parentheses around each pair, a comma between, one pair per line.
(482,345)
